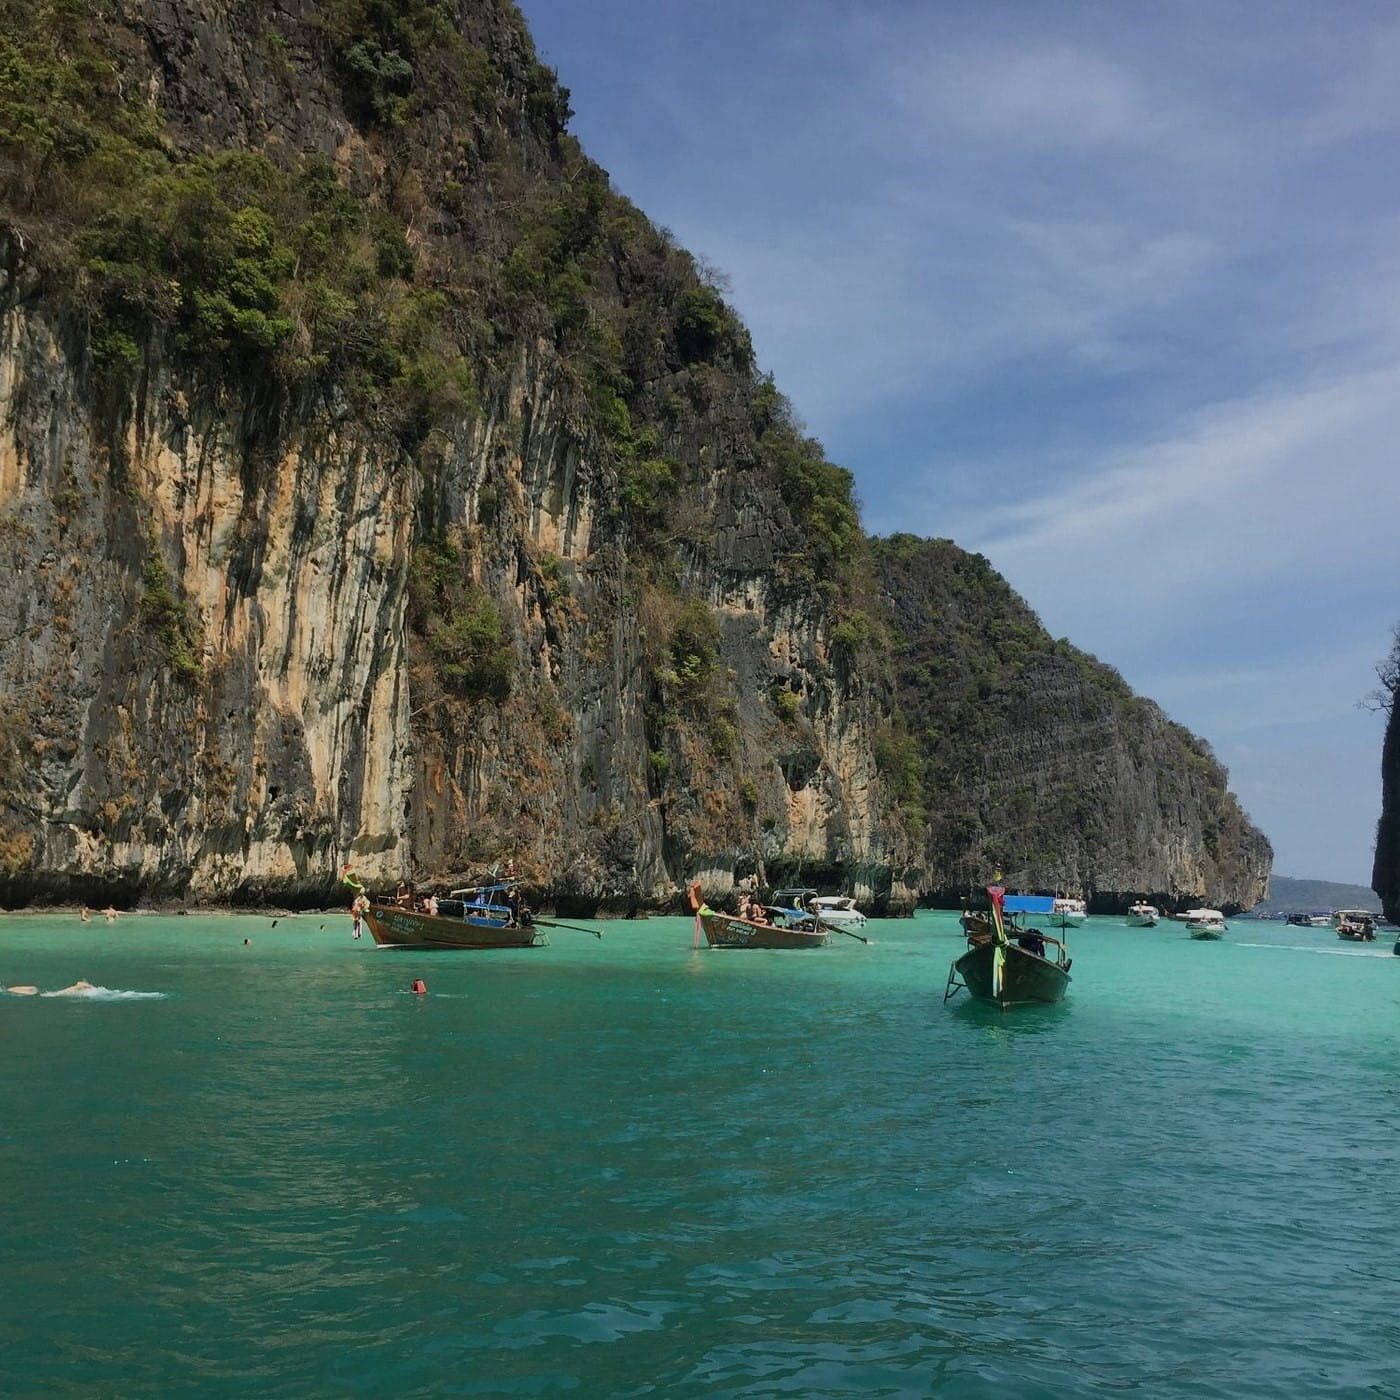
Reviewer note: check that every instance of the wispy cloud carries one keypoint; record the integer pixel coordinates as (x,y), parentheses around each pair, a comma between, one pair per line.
(1033,96)
(1292,467)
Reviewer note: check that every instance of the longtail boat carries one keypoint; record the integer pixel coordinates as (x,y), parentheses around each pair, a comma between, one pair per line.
(730,931)
(1022,968)
(492,918)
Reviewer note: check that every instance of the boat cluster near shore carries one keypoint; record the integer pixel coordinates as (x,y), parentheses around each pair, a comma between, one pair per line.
(1013,956)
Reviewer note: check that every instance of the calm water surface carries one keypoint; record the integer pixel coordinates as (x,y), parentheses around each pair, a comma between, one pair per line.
(626,1168)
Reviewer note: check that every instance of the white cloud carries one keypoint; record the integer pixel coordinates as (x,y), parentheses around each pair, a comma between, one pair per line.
(1251,489)
(1035,96)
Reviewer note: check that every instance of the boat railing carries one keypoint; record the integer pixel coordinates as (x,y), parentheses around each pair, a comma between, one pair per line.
(491,913)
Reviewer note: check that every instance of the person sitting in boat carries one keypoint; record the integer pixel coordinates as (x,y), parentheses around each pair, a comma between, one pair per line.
(430,905)
(1032,940)
(404,897)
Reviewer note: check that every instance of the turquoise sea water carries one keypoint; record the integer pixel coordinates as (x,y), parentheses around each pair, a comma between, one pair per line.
(627,1168)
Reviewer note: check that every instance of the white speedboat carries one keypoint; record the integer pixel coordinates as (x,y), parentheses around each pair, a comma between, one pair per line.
(1205,923)
(1142,915)
(1068,913)
(839,909)
(834,910)
(1355,925)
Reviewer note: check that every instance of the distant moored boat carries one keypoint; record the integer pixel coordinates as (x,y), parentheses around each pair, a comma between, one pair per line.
(1068,913)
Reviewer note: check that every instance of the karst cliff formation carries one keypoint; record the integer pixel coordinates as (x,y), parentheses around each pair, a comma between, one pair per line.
(1385,875)
(378,484)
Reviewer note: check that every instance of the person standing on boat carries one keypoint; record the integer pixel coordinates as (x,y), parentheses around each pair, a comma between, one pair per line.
(519,910)
(697,905)
(359,900)
(1032,940)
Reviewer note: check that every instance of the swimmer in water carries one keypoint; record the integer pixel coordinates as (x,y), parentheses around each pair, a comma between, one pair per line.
(76,990)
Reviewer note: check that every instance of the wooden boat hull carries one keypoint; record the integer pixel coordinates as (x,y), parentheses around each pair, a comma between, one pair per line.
(1025,979)
(392,927)
(727,931)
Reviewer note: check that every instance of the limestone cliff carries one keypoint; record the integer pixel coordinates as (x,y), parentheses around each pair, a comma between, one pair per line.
(1038,761)
(378,484)
(1385,875)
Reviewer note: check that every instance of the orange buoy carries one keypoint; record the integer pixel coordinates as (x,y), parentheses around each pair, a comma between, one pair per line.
(419,986)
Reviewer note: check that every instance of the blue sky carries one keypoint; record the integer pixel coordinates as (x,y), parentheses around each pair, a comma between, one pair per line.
(1108,293)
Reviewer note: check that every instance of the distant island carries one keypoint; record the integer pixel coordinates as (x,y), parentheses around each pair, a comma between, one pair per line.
(1287,896)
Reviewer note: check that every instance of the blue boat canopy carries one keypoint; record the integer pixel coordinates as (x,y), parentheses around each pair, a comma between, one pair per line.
(1028,903)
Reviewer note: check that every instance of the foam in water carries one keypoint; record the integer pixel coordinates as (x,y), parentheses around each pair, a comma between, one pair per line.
(91,993)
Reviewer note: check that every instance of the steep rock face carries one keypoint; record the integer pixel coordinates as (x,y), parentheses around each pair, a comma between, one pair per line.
(1385,875)
(208,667)
(203,654)
(1067,780)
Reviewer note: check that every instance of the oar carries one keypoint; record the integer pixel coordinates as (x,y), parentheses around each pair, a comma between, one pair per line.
(821,923)
(577,928)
